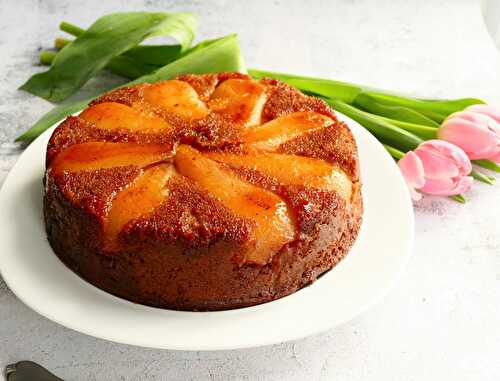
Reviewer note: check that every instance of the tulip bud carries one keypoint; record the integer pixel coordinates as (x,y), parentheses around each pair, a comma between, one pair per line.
(476,130)
(436,167)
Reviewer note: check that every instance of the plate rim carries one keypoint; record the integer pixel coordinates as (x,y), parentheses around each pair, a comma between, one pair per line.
(405,256)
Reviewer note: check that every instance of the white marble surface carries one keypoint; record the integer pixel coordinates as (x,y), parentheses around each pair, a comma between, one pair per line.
(441,322)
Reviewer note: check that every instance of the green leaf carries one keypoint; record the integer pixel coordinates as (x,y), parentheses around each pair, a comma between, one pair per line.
(52,117)
(487,164)
(219,55)
(222,54)
(423,132)
(158,55)
(108,37)
(201,45)
(346,92)
(129,68)
(436,110)
(120,65)
(433,109)
(404,114)
(135,62)
(385,132)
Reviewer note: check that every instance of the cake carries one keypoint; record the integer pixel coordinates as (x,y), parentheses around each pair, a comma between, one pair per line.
(207,192)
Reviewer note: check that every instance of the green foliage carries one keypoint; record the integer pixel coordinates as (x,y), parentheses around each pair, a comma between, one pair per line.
(108,37)
(382,130)
(404,114)
(218,55)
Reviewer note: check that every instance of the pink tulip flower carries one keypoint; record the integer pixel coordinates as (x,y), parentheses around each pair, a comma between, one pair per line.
(436,167)
(476,130)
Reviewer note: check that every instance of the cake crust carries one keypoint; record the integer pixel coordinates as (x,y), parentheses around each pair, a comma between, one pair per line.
(216,232)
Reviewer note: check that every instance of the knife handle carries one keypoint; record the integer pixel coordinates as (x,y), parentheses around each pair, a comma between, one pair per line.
(28,371)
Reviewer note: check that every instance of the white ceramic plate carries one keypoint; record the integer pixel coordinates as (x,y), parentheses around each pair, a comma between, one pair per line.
(40,280)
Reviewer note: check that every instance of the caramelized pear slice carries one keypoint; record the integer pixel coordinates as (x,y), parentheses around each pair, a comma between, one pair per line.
(273,225)
(138,199)
(291,169)
(117,116)
(177,98)
(98,155)
(269,136)
(241,99)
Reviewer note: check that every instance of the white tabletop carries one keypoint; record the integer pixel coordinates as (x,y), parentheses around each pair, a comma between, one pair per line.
(441,322)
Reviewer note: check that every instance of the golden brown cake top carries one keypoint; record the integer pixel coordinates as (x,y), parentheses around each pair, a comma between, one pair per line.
(251,147)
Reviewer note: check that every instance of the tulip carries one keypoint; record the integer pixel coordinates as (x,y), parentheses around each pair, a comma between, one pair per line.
(436,167)
(476,130)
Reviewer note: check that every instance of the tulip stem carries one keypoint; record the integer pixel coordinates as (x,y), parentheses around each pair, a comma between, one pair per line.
(487,164)
(60,43)
(482,177)
(71,28)
(47,56)
(395,153)
(458,197)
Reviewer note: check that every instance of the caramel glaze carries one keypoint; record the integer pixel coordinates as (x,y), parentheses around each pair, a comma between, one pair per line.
(191,251)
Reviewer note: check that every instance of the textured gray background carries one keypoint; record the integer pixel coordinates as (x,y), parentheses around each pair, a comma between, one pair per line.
(440,322)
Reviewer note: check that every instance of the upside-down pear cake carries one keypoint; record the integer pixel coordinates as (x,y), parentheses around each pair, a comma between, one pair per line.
(207,192)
